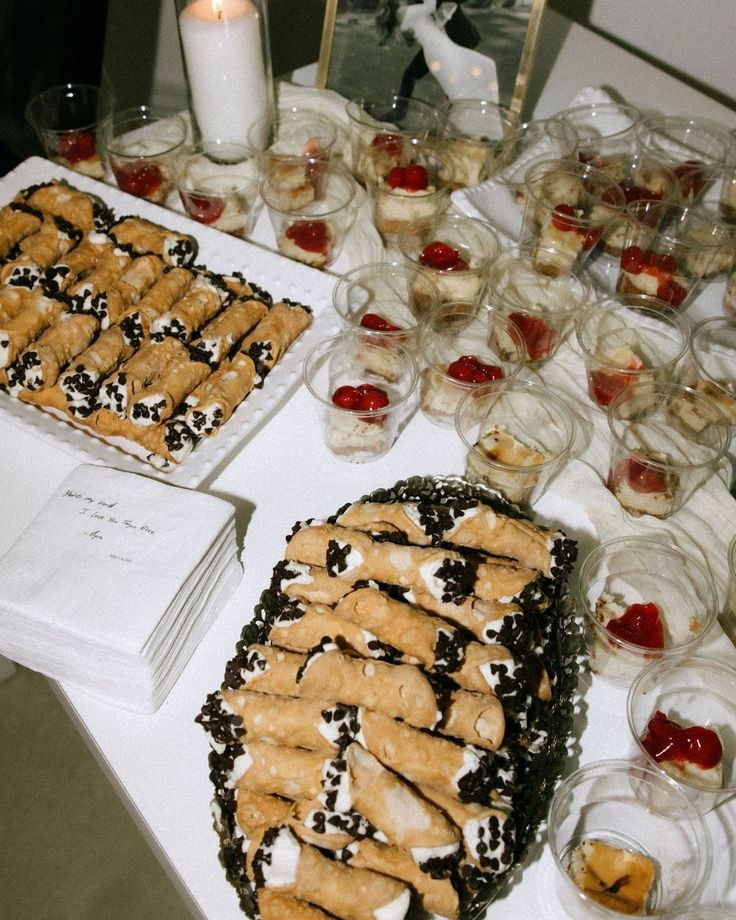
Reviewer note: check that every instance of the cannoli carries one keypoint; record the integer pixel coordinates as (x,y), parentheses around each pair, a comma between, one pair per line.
(76,263)
(17,221)
(54,239)
(257,810)
(309,583)
(486,620)
(87,295)
(12,302)
(436,896)
(273,905)
(136,278)
(81,380)
(211,404)
(139,371)
(278,861)
(273,335)
(313,823)
(315,724)
(171,287)
(489,831)
(362,783)
(21,272)
(237,285)
(189,314)
(267,670)
(80,209)
(40,364)
(476,718)
(219,335)
(399,690)
(292,772)
(38,313)
(157,402)
(144,237)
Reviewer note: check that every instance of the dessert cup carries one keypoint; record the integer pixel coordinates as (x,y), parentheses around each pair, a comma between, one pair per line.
(542,307)
(668,249)
(517,436)
(606,134)
(311,223)
(379,128)
(630,808)
(627,341)
(666,441)
(710,364)
(345,373)
(728,617)
(530,142)
(476,139)
(692,693)
(140,145)
(386,298)
(460,347)
(569,205)
(65,119)
(457,251)
(290,133)
(218,185)
(619,582)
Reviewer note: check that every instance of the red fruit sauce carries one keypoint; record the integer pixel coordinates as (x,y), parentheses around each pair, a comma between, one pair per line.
(377,323)
(640,473)
(365,397)
(539,338)
(76,146)
(661,265)
(139,179)
(470,369)
(393,144)
(412,178)
(309,235)
(440,256)
(202,208)
(639,624)
(667,740)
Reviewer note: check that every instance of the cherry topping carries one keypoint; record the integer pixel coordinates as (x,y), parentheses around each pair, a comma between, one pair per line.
(639,624)
(76,146)
(642,476)
(564,218)
(539,338)
(376,322)
(365,397)
(440,256)
(633,260)
(202,208)
(309,235)
(667,740)
(393,144)
(604,385)
(412,178)
(470,369)
(138,178)
(639,193)
(671,292)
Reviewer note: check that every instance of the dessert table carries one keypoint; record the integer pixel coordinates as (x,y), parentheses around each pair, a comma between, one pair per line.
(283,473)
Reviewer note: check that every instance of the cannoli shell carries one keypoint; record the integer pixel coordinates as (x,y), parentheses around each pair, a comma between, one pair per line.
(58,345)
(477,718)
(476,616)
(271,670)
(187,315)
(158,401)
(312,584)
(139,275)
(144,237)
(256,810)
(273,335)
(61,200)
(317,622)
(17,333)
(400,690)
(146,365)
(107,269)
(215,399)
(276,906)
(17,221)
(50,242)
(102,357)
(402,515)
(228,327)
(292,772)
(12,302)
(80,261)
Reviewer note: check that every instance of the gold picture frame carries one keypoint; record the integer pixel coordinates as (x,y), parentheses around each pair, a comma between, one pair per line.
(370,48)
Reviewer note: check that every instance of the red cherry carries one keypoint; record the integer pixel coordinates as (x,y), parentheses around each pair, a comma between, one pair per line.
(415,178)
(371,399)
(604,385)
(640,624)
(642,476)
(202,208)
(633,260)
(346,397)
(470,369)
(671,292)
(539,338)
(378,323)
(591,238)
(440,256)
(76,146)
(138,178)
(668,740)
(690,177)
(309,235)
(393,144)
(561,218)
(395,177)
(640,193)
(665,262)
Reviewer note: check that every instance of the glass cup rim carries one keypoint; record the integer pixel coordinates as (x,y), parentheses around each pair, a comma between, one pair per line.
(200,149)
(571,166)
(656,121)
(137,116)
(657,543)
(545,393)
(374,340)
(331,170)
(455,221)
(711,322)
(685,211)
(295,113)
(719,423)
(65,90)
(354,276)
(518,251)
(356,111)
(691,662)
(656,310)
(574,112)
(435,152)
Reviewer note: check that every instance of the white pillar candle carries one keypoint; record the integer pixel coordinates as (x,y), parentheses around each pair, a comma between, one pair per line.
(224,58)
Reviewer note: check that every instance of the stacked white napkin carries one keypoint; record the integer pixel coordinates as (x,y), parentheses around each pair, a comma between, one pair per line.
(115,582)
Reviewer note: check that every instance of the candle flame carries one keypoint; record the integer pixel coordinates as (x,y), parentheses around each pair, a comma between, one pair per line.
(217,6)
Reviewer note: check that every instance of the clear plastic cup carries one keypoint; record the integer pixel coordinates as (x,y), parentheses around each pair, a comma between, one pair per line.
(387,299)
(140,144)
(362,392)
(218,185)
(543,308)
(615,806)
(65,119)
(290,133)
(460,347)
(728,616)
(311,220)
(569,205)
(628,341)
(517,436)
(532,141)
(457,251)
(710,364)
(606,134)
(693,693)
(619,581)
(477,139)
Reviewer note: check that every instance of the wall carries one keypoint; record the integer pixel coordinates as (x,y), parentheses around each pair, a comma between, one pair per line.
(695,40)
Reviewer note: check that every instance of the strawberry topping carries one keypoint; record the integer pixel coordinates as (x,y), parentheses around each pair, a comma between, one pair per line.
(440,256)
(76,146)
(539,338)
(564,218)
(202,208)
(668,740)
(470,369)
(662,265)
(309,235)
(365,398)
(376,322)
(640,624)
(138,178)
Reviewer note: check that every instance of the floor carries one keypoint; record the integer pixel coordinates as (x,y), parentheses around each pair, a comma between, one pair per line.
(69,850)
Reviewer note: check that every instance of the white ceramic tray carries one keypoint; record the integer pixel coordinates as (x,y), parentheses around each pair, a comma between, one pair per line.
(281,277)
